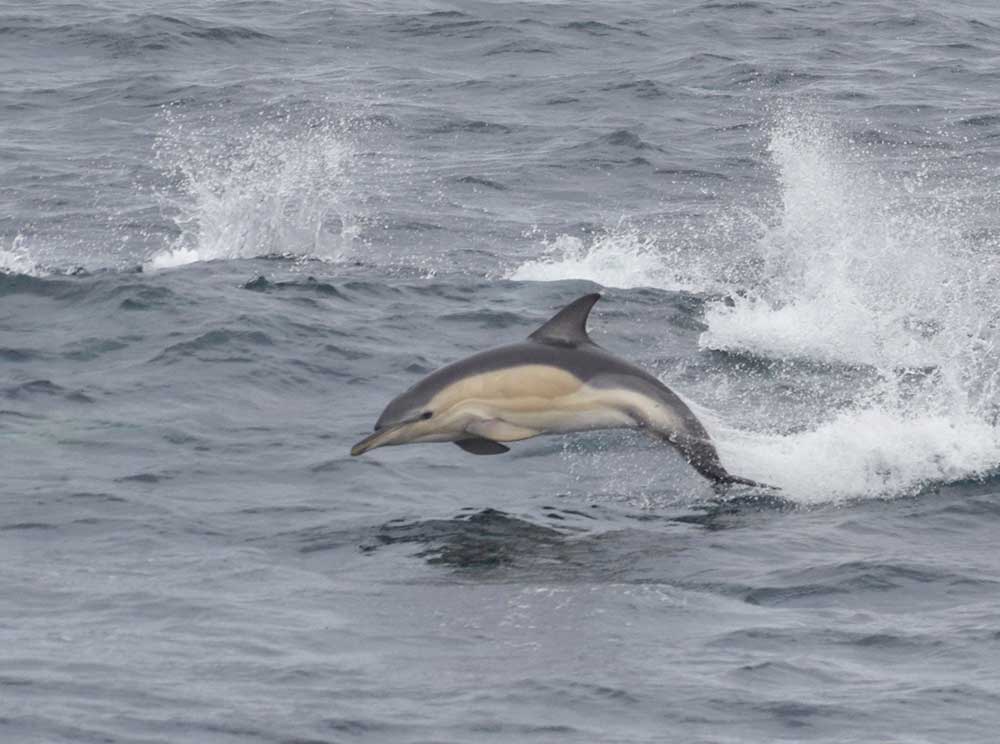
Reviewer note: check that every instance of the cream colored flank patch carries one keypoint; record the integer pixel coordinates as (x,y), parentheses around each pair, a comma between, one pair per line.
(516,403)
(527,385)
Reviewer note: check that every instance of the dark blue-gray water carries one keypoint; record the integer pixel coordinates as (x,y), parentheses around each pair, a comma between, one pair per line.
(230,232)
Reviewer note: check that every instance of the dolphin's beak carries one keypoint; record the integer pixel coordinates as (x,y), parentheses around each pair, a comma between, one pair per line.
(370,442)
(378,438)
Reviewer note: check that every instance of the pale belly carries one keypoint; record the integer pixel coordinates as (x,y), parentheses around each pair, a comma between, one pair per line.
(513,419)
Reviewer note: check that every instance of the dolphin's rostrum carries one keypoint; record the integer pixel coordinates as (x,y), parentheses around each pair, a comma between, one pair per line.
(558,381)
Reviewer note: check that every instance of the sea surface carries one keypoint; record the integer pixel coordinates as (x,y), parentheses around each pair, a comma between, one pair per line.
(232,231)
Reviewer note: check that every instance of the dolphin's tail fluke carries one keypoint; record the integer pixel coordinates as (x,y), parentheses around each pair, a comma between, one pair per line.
(728,479)
(704,458)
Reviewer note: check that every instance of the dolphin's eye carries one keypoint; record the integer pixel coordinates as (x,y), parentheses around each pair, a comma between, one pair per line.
(426,415)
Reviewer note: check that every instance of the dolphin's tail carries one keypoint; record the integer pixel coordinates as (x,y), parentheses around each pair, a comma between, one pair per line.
(727,479)
(704,458)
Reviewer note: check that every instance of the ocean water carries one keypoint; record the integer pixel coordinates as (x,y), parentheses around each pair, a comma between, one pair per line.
(230,232)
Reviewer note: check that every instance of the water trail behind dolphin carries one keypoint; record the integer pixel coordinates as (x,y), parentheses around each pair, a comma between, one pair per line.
(861,262)
(864,267)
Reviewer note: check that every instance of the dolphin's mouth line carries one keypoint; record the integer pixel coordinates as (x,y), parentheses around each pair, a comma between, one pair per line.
(375,439)
(370,441)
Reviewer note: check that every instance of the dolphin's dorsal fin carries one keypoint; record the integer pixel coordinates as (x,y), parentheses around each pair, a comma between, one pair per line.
(568,327)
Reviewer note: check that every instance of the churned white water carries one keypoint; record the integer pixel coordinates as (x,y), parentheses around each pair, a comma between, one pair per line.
(851,266)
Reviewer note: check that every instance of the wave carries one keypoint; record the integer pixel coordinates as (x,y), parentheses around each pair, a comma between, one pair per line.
(880,452)
(882,270)
(132,34)
(863,267)
(282,186)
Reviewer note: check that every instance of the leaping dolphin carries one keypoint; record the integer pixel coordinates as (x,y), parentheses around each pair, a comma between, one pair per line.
(556,382)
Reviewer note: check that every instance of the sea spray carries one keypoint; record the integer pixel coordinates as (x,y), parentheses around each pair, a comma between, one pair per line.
(623,256)
(859,268)
(876,277)
(280,186)
(18,258)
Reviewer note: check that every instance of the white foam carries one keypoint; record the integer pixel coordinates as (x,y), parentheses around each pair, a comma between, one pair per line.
(283,187)
(874,452)
(622,257)
(18,260)
(832,326)
(861,268)
(855,266)
(850,265)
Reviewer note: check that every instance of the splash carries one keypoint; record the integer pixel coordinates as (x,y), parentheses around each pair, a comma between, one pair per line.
(861,268)
(871,270)
(855,267)
(282,187)
(621,257)
(877,452)
(17,259)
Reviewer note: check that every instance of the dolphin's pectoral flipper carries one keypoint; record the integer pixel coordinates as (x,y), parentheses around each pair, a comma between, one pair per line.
(481,446)
(498,430)
(484,434)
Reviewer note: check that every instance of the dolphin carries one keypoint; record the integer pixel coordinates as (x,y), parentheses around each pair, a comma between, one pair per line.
(556,382)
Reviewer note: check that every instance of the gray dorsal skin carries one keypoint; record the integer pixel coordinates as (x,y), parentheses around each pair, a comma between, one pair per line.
(558,381)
